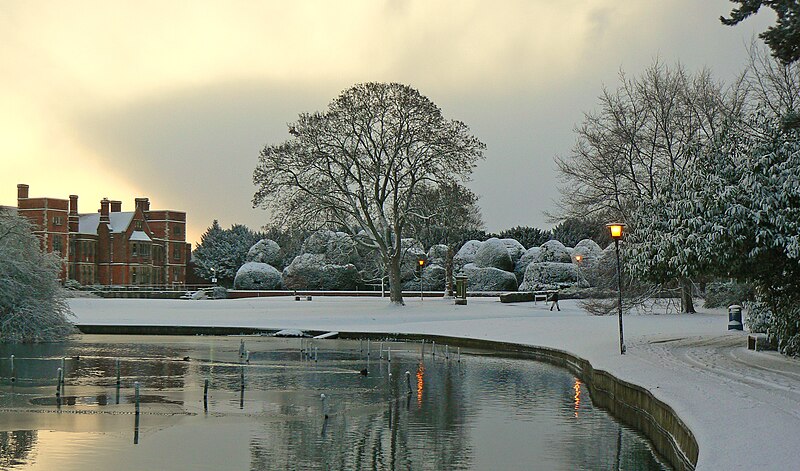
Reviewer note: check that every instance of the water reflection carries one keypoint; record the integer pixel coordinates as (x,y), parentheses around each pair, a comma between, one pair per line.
(15,447)
(482,412)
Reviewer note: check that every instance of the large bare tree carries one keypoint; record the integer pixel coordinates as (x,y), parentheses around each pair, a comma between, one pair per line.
(647,132)
(360,165)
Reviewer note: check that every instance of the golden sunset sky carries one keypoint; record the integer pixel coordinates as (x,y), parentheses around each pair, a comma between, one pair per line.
(173,100)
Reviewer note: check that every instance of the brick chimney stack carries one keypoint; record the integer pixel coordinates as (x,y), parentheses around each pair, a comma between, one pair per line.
(72,219)
(22,191)
(116,206)
(104,207)
(143,204)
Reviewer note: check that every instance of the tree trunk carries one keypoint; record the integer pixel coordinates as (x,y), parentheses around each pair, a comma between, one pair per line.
(448,273)
(687,304)
(395,284)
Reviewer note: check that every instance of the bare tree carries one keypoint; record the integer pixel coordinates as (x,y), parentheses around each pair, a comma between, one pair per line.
(360,165)
(770,85)
(647,132)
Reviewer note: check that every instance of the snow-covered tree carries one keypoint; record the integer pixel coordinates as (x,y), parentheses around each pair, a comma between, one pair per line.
(361,164)
(33,307)
(222,251)
(737,213)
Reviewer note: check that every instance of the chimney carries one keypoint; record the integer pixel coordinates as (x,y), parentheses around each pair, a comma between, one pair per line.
(72,219)
(116,206)
(143,204)
(22,191)
(104,204)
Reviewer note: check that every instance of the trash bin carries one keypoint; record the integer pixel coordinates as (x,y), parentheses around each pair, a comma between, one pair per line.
(734,317)
(461,290)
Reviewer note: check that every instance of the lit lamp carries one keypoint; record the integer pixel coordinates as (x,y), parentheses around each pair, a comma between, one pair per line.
(616,229)
(578,259)
(421,262)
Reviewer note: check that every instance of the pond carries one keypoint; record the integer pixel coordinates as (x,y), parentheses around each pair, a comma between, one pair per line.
(453,410)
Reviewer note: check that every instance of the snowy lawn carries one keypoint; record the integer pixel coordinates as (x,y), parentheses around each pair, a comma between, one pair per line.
(743,406)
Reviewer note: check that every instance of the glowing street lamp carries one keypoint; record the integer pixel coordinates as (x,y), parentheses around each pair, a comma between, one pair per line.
(578,259)
(421,262)
(616,229)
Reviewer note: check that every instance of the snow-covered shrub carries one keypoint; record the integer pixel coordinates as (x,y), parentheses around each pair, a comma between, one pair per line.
(489,279)
(526,259)
(514,248)
(726,293)
(759,317)
(338,247)
(313,271)
(553,251)
(219,292)
(433,277)
(437,254)
(492,253)
(589,251)
(465,255)
(548,275)
(265,251)
(256,275)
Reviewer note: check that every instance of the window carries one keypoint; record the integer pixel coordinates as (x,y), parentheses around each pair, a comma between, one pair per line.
(176,252)
(138,225)
(177,230)
(144,250)
(133,275)
(58,220)
(57,245)
(133,250)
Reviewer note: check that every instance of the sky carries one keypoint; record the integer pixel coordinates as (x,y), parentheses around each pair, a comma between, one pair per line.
(174,100)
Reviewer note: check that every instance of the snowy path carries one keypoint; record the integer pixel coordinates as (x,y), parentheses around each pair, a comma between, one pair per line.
(743,406)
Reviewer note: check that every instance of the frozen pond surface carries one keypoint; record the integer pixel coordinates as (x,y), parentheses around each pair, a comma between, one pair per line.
(482,412)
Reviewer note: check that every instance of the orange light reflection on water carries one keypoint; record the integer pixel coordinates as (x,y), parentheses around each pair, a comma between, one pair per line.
(420,382)
(577,388)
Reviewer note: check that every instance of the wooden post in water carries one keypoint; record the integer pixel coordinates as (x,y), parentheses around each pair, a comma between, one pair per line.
(205,395)
(136,396)
(13,370)
(117,363)
(58,382)
(408,381)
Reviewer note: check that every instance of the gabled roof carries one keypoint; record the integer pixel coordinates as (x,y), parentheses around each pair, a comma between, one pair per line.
(87,223)
(140,236)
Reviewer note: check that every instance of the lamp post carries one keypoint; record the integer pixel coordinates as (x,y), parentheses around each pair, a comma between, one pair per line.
(421,262)
(214,276)
(578,259)
(616,229)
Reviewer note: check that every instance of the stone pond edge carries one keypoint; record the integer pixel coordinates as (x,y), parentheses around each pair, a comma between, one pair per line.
(633,405)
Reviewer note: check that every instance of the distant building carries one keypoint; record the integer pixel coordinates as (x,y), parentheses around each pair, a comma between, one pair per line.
(111,246)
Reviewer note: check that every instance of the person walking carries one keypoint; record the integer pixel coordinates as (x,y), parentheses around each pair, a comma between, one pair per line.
(554,298)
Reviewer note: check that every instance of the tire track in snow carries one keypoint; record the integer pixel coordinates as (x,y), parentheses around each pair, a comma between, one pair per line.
(722,358)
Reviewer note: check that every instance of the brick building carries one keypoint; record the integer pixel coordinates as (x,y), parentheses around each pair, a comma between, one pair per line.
(111,246)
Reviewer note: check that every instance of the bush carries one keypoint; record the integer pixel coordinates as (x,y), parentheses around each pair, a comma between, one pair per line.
(219,292)
(726,293)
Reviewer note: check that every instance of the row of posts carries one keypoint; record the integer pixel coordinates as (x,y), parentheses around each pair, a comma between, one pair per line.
(306,348)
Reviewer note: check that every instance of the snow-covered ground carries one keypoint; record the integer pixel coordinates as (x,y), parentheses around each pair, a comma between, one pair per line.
(743,406)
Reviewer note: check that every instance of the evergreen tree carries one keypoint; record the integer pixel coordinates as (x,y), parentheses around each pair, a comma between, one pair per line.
(784,37)
(222,251)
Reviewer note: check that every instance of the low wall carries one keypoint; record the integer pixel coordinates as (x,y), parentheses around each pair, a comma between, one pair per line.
(633,405)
